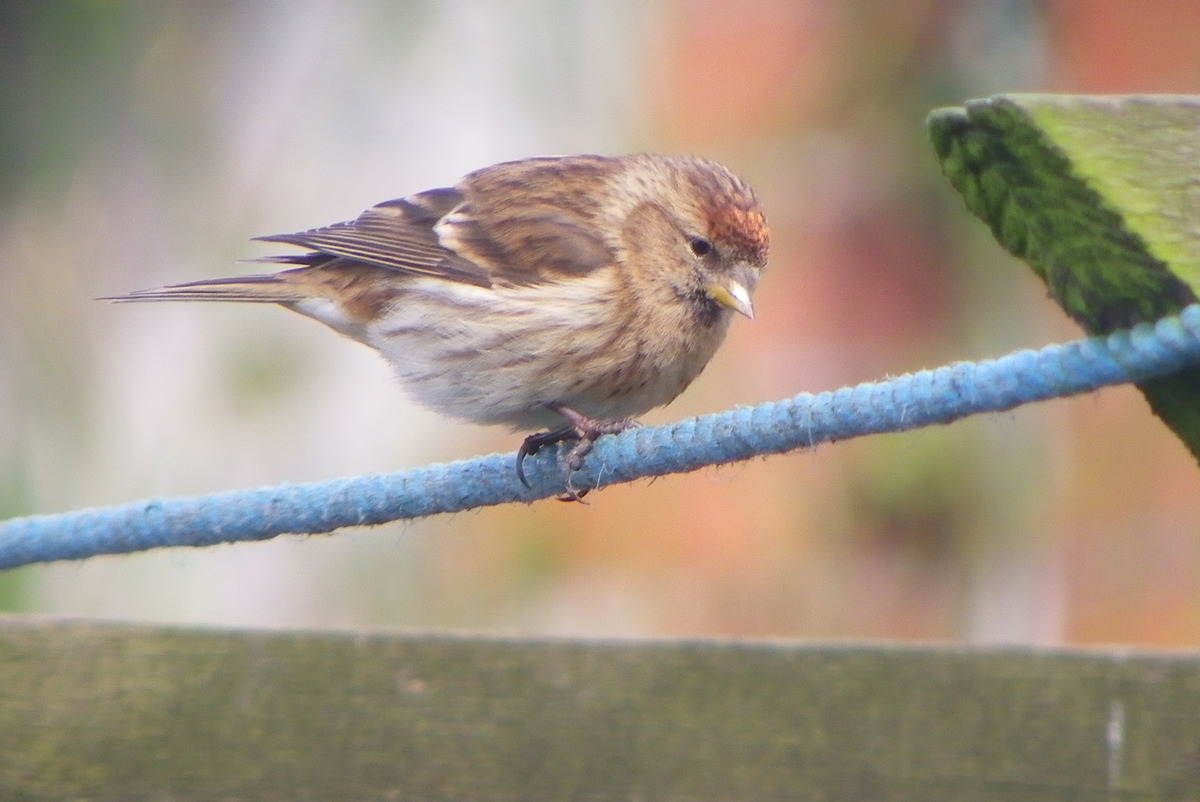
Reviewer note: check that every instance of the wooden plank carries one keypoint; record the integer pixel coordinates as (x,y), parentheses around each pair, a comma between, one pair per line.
(90,711)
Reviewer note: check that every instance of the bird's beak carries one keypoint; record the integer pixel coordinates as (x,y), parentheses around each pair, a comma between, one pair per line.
(734,296)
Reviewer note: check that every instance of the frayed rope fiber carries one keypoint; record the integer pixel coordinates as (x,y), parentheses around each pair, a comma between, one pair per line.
(907,402)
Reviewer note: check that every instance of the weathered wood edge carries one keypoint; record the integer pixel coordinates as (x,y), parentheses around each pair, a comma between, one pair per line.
(104,711)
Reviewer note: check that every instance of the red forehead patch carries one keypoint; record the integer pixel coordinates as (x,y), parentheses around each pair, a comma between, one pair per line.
(738,223)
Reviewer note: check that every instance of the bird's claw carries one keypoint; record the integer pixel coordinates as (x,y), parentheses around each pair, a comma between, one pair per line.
(584,431)
(536,442)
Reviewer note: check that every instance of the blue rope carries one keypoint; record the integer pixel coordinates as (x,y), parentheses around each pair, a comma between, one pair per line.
(908,402)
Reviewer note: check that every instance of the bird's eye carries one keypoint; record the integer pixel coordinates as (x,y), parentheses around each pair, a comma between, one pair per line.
(700,246)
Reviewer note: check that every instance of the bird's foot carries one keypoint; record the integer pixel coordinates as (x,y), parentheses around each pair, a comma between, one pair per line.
(584,431)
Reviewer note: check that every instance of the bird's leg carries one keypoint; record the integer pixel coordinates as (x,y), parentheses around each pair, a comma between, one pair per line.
(587,430)
(584,430)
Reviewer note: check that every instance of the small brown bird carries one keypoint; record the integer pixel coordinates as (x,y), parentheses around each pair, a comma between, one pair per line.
(569,293)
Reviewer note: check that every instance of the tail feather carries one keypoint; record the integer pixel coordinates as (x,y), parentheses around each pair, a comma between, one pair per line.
(248,289)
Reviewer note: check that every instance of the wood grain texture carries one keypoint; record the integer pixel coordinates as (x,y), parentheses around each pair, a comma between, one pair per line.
(92,711)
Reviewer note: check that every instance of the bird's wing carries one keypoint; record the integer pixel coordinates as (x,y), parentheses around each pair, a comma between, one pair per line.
(522,222)
(534,220)
(526,244)
(394,235)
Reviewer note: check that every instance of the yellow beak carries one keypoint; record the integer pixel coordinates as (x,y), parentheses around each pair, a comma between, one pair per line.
(732,296)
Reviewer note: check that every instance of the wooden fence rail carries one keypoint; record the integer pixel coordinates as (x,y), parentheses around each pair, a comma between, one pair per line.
(95,711)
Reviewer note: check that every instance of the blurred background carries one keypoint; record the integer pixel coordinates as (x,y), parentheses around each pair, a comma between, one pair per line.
(144,143)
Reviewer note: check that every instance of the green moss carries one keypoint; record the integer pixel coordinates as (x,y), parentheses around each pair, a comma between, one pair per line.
(1100,196)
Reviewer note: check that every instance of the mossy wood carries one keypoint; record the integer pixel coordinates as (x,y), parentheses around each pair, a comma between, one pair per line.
(123,712)
(1101,196)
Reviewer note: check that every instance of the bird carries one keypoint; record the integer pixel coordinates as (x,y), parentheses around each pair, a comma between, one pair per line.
(568,294)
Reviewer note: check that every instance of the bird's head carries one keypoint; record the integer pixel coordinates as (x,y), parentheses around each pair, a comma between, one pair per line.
(696,230)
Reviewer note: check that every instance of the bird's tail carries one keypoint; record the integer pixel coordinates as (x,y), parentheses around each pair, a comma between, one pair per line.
(269,288)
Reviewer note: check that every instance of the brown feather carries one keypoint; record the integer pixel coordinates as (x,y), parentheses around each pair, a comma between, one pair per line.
(250,289)
(395,235)
(517,220)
